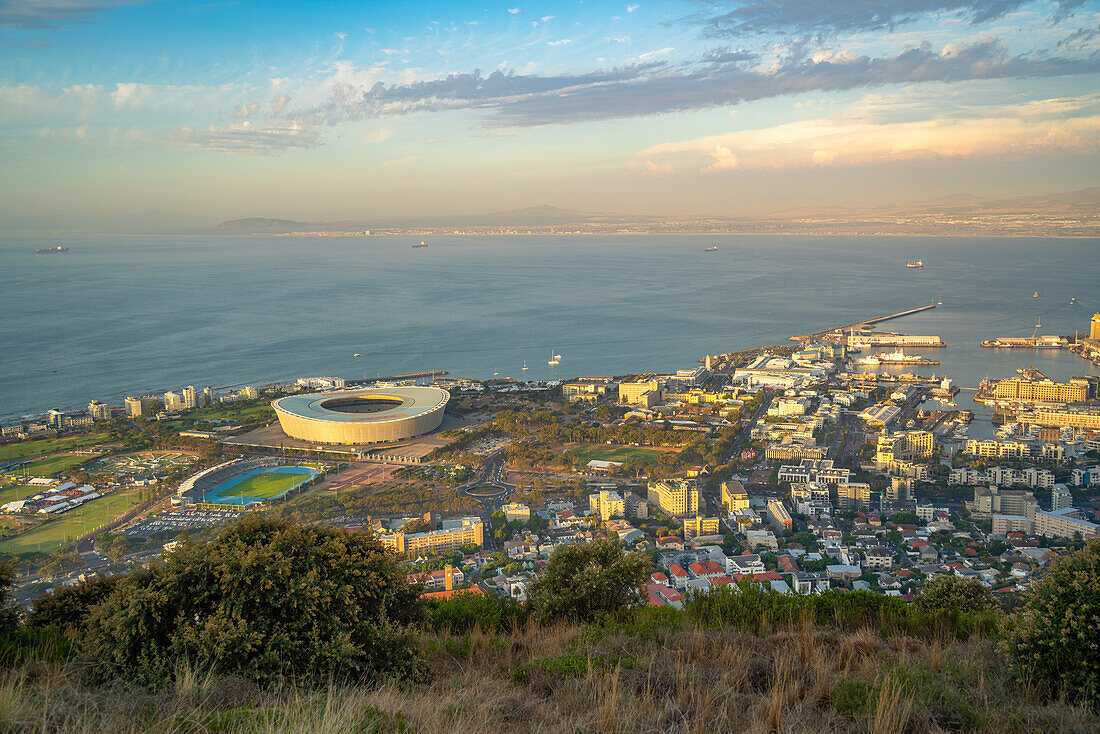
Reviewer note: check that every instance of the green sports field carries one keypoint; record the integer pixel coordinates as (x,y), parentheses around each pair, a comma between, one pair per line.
(54,465)
(71,525)
(264,486)
(616,453)
(45,446)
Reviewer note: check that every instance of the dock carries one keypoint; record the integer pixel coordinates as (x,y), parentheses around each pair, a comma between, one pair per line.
(817,335)
(406,376)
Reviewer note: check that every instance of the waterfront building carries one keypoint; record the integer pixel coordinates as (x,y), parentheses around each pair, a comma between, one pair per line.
(208,397)
(676,497)
(606,504)
(250,393)
(734,496)
(173,402)
(1044,390)
(999,449)
(99,411)
(646,393)
(138,406)
(1094,332)
(1061,416)
(190,397)
(452,535)
(588,388)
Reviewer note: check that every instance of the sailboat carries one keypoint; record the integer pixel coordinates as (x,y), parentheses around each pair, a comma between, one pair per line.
(1035,294)
(555,359)
(525,367)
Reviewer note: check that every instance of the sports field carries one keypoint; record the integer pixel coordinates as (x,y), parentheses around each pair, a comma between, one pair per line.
(69,526)
(616,453)
(260,485)
(53,465)
(33,448)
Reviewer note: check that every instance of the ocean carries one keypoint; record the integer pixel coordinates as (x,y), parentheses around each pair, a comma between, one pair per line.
(133,315)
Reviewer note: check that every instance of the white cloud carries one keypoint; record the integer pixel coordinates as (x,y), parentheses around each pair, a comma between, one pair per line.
(513,11)
(248,139)
(560,42)
(378,136)
(632,8)
(246,110)
(724,159)
(279,103)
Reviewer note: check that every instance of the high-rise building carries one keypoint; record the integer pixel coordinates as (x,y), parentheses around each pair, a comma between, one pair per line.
(208,396)
(249,392)
(697,526)
(135,406)
(99,411)
(190,397)
(173,402)
(675,496)
(1094,333)
(734,496)
(1060,498)
(853,495)
(453,534)
(606,504)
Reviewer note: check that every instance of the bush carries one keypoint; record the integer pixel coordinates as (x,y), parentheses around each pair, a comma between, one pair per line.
(463,612)
(1053,641)
(9,615)
(265,599)
(67,608)
(955,594)
(588,581)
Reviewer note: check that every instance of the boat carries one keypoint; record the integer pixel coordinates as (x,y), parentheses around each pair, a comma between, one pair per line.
(712,249)
(555,359)
(1035,294)
(422,244)
(525,367)
(496,374)
(915,264)
(1072,300)
(51,250)
(896,358)
(939,302)
(357,354)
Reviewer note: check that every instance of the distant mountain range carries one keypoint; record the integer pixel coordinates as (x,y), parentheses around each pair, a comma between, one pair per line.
(1074,213)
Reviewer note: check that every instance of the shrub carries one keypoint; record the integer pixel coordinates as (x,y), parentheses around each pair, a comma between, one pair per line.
(1053,641)
(955,594)
(588,581)
(9,614)
(264,599)
(67,608)
(463,612)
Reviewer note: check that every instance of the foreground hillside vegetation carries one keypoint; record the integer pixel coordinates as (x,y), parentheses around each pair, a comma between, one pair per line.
(273,627)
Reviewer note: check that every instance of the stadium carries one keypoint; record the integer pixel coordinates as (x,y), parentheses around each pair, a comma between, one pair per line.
(371,415)
(245,482)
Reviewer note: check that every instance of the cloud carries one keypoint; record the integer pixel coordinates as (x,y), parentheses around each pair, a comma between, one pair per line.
(513,11)
(632,8)
(50,13)
(246,110)
(379,135)
(799,17)
(1011,132)
(561,42)
(246,138)
(401,161)
(279,103)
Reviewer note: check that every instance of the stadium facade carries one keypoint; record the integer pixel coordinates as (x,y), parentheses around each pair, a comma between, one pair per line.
(370,415)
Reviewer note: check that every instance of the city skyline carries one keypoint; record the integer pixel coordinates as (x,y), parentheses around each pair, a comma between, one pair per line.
(110,110)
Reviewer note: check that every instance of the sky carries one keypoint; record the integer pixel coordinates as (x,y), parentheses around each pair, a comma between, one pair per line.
(110,109)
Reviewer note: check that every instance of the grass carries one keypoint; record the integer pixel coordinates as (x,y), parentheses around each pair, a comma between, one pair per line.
(264,486)
(47,446)
(69,526)
(247,414)
(573,678)
(616,453)
(14,492)
(54,465)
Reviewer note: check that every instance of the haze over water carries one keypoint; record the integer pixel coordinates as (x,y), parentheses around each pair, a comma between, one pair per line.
(118,316)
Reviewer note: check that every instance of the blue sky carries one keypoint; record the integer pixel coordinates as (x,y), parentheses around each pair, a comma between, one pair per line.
(341,109)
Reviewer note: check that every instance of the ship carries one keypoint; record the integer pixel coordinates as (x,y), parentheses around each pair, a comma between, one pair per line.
(915,264)
(712,249)
(555,359)
(1035,294)
(51,250)
(895,358)
(525,367)
(422,244)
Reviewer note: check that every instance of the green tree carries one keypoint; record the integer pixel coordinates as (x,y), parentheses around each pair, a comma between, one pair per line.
(955,594)
(1053,640)
(67,608)
(265,599)
(587,581)
(9,615)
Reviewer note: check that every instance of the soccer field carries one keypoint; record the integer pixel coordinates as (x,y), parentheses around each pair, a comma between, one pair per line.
(264,486)
(616,453)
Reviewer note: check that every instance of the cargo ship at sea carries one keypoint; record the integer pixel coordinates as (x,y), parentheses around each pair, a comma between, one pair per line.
(51,250)
(896,358)
(711,249)
(915,264)
(422,244)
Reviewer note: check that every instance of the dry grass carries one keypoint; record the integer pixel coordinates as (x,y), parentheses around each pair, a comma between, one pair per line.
(573,679)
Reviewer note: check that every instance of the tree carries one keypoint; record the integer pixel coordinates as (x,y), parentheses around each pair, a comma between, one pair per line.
(1052,641)
(588,581)
(9,614)
(67,608)
(265,599)
(955,594)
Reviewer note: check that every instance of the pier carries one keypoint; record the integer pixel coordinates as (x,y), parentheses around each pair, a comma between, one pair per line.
(866,322)
(406,376)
